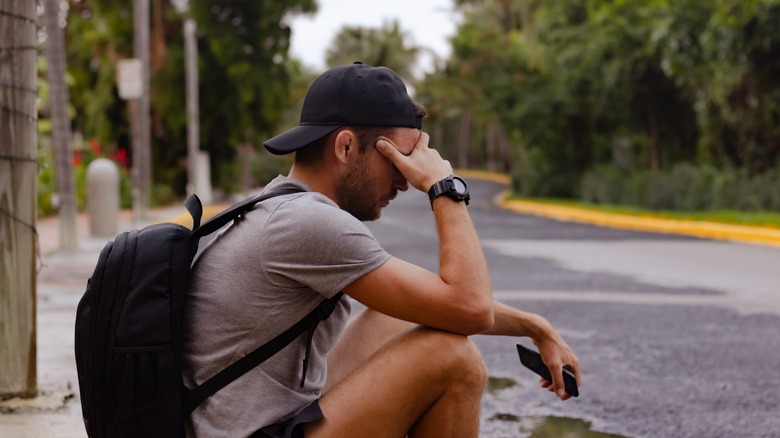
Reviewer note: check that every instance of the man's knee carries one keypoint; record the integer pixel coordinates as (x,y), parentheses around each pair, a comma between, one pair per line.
(462,359)
(471,368)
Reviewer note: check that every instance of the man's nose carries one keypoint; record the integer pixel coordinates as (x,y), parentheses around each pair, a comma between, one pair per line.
(399,182)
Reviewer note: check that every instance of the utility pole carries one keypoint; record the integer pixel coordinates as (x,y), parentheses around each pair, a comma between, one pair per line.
(198,165)
(193,115)
(61,134)
(18,176)
(140,120)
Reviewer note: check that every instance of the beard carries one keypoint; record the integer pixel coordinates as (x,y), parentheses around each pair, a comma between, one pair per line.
(354,191)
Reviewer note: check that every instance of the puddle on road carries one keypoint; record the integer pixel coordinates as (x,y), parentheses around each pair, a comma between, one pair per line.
(552,427)
(496,384)
(561,427)
(543,427)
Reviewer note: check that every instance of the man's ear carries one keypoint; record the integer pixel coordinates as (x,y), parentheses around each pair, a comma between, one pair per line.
(346,142)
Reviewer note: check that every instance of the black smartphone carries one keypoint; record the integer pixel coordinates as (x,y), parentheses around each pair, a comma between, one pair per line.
(533,361)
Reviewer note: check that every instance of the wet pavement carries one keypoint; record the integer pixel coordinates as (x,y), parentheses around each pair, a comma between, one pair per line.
(677,336)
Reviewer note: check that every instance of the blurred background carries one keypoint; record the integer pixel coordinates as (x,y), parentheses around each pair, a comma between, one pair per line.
(664,105)
(646,107)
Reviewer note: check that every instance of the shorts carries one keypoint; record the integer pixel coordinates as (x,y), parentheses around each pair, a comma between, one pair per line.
(292,428)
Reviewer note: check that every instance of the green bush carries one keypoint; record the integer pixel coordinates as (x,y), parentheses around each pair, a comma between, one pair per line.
(602,185)
(725,190)
(533,176)
(82,157)
(525,177)
(684,187)
(636,189)
(761,192)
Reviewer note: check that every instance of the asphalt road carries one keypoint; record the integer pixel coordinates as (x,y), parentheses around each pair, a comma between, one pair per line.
(677,336)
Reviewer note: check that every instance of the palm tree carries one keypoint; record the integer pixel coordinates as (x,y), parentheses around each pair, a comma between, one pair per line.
(61,133)
(388,46)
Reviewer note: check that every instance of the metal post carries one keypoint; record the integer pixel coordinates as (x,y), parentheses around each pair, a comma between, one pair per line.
(191,70)
(142,131)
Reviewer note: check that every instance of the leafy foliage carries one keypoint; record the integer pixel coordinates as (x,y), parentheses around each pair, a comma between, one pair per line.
(684,187)
(246,45)
(387,46)
(244,74)
(570,96)
(637,87)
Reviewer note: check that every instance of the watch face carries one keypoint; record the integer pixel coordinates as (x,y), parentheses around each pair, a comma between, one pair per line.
(459,185)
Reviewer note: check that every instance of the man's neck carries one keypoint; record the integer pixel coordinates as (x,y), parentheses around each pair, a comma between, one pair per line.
(316,177)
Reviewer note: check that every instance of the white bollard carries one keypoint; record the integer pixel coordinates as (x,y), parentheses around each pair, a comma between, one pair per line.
(103,197)
(203,184)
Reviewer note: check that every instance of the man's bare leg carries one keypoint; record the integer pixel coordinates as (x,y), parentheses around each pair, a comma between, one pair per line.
(364,335)
(423,383)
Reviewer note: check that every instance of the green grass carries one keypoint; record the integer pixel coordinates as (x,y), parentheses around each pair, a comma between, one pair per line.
(767,219)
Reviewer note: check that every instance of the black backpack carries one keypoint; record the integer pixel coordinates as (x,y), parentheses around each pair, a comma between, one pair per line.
(129,330)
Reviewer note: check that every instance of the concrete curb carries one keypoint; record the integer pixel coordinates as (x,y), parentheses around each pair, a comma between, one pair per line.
(710,230)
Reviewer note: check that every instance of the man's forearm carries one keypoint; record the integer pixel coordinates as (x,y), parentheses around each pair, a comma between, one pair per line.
(514,322)
(461,259)
(556,354)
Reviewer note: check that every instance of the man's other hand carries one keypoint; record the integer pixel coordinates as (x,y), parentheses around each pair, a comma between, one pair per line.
(557,355)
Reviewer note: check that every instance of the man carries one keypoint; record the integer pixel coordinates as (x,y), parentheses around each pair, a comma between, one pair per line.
(406,365)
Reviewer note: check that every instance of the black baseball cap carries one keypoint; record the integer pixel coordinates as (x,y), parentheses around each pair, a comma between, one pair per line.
(356,95)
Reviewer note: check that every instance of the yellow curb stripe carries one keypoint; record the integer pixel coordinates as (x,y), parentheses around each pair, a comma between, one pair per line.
(712,230)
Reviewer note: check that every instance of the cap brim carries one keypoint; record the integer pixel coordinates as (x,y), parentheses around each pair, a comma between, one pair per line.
(298,137)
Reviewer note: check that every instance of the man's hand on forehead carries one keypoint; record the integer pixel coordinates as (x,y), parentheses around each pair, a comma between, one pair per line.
(417,141)
(404,147)
(420,165)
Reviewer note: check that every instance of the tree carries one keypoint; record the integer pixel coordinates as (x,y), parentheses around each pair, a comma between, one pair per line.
(643,85)
(726,55)
(61,133)
(245,74)
(387,46)
(469,95)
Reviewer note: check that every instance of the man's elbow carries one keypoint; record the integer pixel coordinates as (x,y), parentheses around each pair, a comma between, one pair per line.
(487,319)
(481,318)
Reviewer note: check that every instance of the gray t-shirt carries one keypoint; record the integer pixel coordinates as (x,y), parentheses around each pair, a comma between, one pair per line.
(256,279)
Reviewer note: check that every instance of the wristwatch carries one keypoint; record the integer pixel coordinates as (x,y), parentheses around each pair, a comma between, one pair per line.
(453,186)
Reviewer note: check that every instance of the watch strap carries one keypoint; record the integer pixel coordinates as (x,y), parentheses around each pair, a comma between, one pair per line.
(446,187)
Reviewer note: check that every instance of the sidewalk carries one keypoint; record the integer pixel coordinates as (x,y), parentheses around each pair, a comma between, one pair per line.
(62,279)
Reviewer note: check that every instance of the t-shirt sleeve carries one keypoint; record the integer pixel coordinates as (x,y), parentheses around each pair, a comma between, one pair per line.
(310,243)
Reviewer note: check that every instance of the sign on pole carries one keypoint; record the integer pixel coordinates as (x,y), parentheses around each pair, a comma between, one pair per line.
(129,78)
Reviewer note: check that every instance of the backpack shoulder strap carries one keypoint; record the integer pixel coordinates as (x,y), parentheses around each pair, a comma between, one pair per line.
(195,208)
(235,211)
(195,397)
